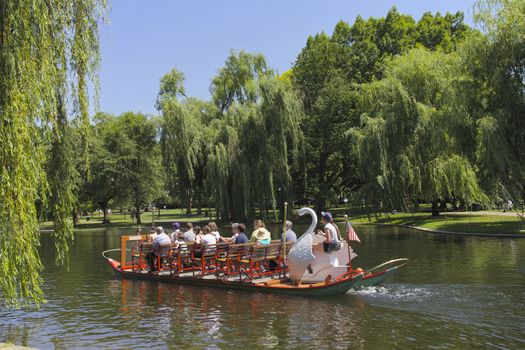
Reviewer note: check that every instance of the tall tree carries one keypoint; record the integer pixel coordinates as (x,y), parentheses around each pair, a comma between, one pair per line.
(181,138)
(182,146)
(496,94)
(108,152)
(43,48)
(141,161)
(328,73)
(415,140)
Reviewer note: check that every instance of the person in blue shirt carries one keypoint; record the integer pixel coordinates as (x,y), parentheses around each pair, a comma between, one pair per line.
(241,236)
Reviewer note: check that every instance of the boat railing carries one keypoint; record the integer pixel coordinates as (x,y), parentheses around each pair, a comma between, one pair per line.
(248,261)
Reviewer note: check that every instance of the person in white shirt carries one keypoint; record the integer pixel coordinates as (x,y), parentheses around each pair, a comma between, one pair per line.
(189,236)
(208,240)
(209,237)
(160,244)
(215,230)
(331,233)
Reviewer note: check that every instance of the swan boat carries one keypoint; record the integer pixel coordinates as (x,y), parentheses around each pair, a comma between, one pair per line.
(302,269)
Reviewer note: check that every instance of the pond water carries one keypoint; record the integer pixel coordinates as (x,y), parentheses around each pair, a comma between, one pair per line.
(456,293)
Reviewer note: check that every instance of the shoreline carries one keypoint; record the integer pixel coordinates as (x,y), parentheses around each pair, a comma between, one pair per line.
(445,232)
(418,228)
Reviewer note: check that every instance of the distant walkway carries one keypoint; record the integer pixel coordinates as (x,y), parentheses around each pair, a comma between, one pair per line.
(481,213)
(445,232)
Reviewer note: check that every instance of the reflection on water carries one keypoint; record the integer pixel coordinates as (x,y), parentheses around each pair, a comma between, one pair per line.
(457,292)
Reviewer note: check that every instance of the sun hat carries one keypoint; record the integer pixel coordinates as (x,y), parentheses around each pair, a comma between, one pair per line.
(175,225)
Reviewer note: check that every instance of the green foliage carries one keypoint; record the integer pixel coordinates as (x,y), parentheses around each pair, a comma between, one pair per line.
(328,73)
(61,177)
(46,51)
(236,81)
(239,152)
(125,163)
(182,146)
(496,63)
(441,32)
(413,142)
(171,85)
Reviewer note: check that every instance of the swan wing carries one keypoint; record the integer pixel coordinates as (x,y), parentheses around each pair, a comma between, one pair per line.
(301,255)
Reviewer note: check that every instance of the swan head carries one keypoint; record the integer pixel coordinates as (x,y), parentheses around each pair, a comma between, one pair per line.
(312,213)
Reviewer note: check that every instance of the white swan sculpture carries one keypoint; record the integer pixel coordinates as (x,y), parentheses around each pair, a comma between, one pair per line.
(301,255)
(307,251)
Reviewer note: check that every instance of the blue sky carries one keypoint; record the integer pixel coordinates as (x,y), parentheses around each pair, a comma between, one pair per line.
(146,39)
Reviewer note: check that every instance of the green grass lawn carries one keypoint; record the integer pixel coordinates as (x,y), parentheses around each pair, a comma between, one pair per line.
(457,222)
(490,224)
(123,220)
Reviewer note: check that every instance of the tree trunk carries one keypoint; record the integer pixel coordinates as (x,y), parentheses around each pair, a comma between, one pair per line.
(137,207)
(137,215)
(435,207)
(199,203)
(320,202)
(189,203)
(104,206)
(75,218)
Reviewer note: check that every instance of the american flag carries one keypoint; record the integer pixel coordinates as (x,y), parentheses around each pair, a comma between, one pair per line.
(350,233)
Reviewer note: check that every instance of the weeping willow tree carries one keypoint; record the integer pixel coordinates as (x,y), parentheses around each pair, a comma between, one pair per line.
(182,138)
(61,176)
(237,151)
(237,80)
(416,141)
(181,141)
(223,172)
(256,142)
(495,63)
(46,49)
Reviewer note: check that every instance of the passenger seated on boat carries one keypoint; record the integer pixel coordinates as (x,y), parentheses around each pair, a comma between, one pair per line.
(198,242)
(152,235)
(209,237)
(241,237)
(176,231)
(198,234)
(180,243)
(160,243)
(290,235)
(261,235)
(235,232)
(215,230)
(189,235)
